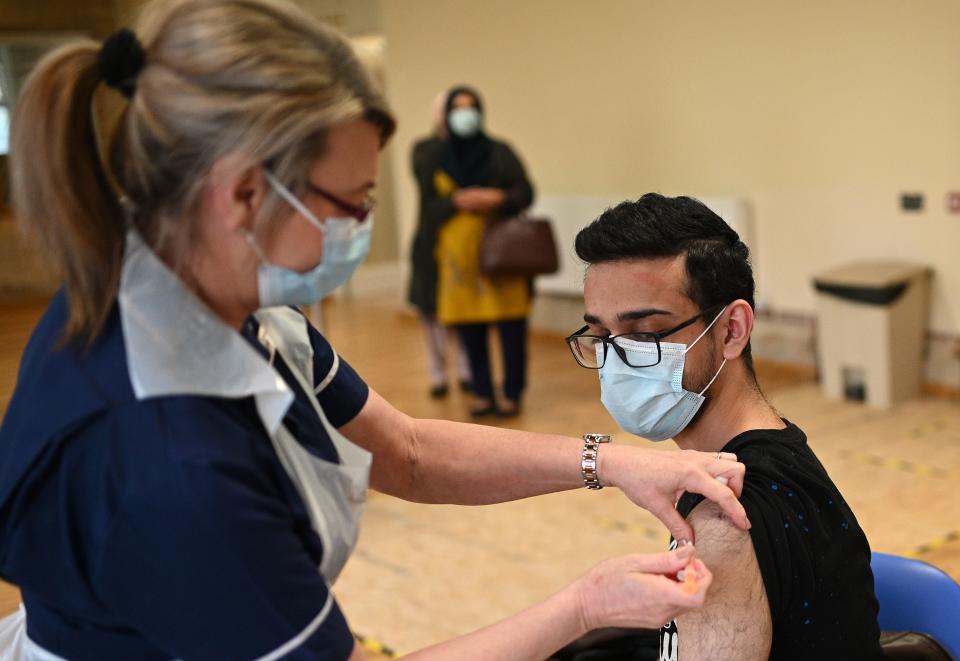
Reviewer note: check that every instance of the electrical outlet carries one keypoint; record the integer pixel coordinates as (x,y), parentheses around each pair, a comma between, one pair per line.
(953,201)
(911,201)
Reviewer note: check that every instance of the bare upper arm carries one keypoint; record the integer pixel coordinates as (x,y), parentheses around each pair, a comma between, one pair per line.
(388,434)
(735,621)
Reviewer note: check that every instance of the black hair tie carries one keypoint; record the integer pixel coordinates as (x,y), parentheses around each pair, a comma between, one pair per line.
(121,59)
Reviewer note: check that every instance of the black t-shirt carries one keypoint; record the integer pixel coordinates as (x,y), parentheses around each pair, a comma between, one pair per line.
(812,554)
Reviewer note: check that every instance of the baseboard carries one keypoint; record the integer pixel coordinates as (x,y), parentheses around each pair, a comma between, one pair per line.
(374,278)
(941,391)
(796,371)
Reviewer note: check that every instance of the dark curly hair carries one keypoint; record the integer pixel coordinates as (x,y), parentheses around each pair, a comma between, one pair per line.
(717,261)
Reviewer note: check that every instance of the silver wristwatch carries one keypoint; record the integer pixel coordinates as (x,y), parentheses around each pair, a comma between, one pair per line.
(588,460)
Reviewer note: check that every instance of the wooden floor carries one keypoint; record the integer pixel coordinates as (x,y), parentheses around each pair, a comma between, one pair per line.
(426,573)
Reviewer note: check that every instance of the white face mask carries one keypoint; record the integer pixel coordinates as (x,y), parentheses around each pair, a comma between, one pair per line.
(650,401)
(346,243)
(465,122)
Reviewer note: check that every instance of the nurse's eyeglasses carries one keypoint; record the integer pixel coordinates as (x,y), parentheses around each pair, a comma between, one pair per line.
(361,213)
(586,349)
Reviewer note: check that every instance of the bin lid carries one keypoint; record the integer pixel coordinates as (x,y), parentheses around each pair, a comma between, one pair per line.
(878,274)
(878,282)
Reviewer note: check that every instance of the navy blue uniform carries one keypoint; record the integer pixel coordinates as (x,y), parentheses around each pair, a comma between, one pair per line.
(164,527)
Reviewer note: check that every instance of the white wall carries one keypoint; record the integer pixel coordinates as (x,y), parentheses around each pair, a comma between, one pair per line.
(818,113)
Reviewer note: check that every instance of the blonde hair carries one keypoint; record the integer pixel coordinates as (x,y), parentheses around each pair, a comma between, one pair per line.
(258,77)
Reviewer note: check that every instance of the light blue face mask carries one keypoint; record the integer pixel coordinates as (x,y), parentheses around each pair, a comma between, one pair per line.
(650,401)
(346,243)
(465,122)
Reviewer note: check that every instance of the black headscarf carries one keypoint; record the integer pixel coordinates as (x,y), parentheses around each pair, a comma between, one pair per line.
(466,160)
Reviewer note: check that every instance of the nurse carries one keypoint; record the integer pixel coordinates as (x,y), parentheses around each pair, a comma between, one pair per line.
(185,459)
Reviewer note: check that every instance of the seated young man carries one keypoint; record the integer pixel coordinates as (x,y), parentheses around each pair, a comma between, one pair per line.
(669,311)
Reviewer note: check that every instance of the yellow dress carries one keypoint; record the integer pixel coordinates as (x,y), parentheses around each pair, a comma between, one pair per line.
(464,294)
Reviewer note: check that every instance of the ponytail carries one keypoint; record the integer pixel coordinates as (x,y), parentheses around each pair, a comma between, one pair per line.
(61,193)
(210,78)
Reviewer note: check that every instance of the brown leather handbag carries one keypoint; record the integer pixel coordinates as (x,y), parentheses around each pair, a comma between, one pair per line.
(518,246)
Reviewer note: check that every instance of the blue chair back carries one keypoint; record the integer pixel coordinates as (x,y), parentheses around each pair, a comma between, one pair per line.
(915,596)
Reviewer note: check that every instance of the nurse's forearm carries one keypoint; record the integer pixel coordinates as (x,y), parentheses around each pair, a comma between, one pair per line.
(633,591)
(474,464)
(438,461)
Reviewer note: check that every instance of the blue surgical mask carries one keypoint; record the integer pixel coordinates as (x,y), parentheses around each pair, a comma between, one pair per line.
(465,122)
(346,243)
(651,401)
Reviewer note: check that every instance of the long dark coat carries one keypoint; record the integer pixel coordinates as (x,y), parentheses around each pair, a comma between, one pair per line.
(507,173)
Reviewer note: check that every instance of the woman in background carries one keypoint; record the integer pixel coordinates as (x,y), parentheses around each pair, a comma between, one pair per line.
(423,256)
(476,179)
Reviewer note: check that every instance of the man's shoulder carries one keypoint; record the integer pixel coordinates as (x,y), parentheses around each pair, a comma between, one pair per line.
(808,548)
(769,453)
(757,443)
(785,484)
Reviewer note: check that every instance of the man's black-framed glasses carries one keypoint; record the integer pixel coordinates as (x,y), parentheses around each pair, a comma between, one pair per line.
(361,213)
(590,351)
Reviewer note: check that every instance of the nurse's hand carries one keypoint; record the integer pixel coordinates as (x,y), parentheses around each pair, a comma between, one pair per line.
(641,591)
(635,591)
(655,479)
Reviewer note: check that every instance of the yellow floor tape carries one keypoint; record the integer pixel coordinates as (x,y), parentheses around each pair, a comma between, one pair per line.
(375,647)
(902,465)
(936,544)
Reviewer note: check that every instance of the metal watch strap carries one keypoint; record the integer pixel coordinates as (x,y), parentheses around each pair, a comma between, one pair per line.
(588,460)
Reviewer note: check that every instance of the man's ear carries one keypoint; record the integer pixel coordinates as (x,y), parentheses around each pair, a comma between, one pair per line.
(235,189)
(739,326)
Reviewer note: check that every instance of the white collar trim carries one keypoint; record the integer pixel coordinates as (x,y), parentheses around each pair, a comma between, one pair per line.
(177,346)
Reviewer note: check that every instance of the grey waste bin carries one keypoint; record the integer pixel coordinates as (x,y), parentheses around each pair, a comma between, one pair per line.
(871,330)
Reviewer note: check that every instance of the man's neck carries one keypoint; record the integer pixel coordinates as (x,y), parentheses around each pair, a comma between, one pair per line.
(736,407)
